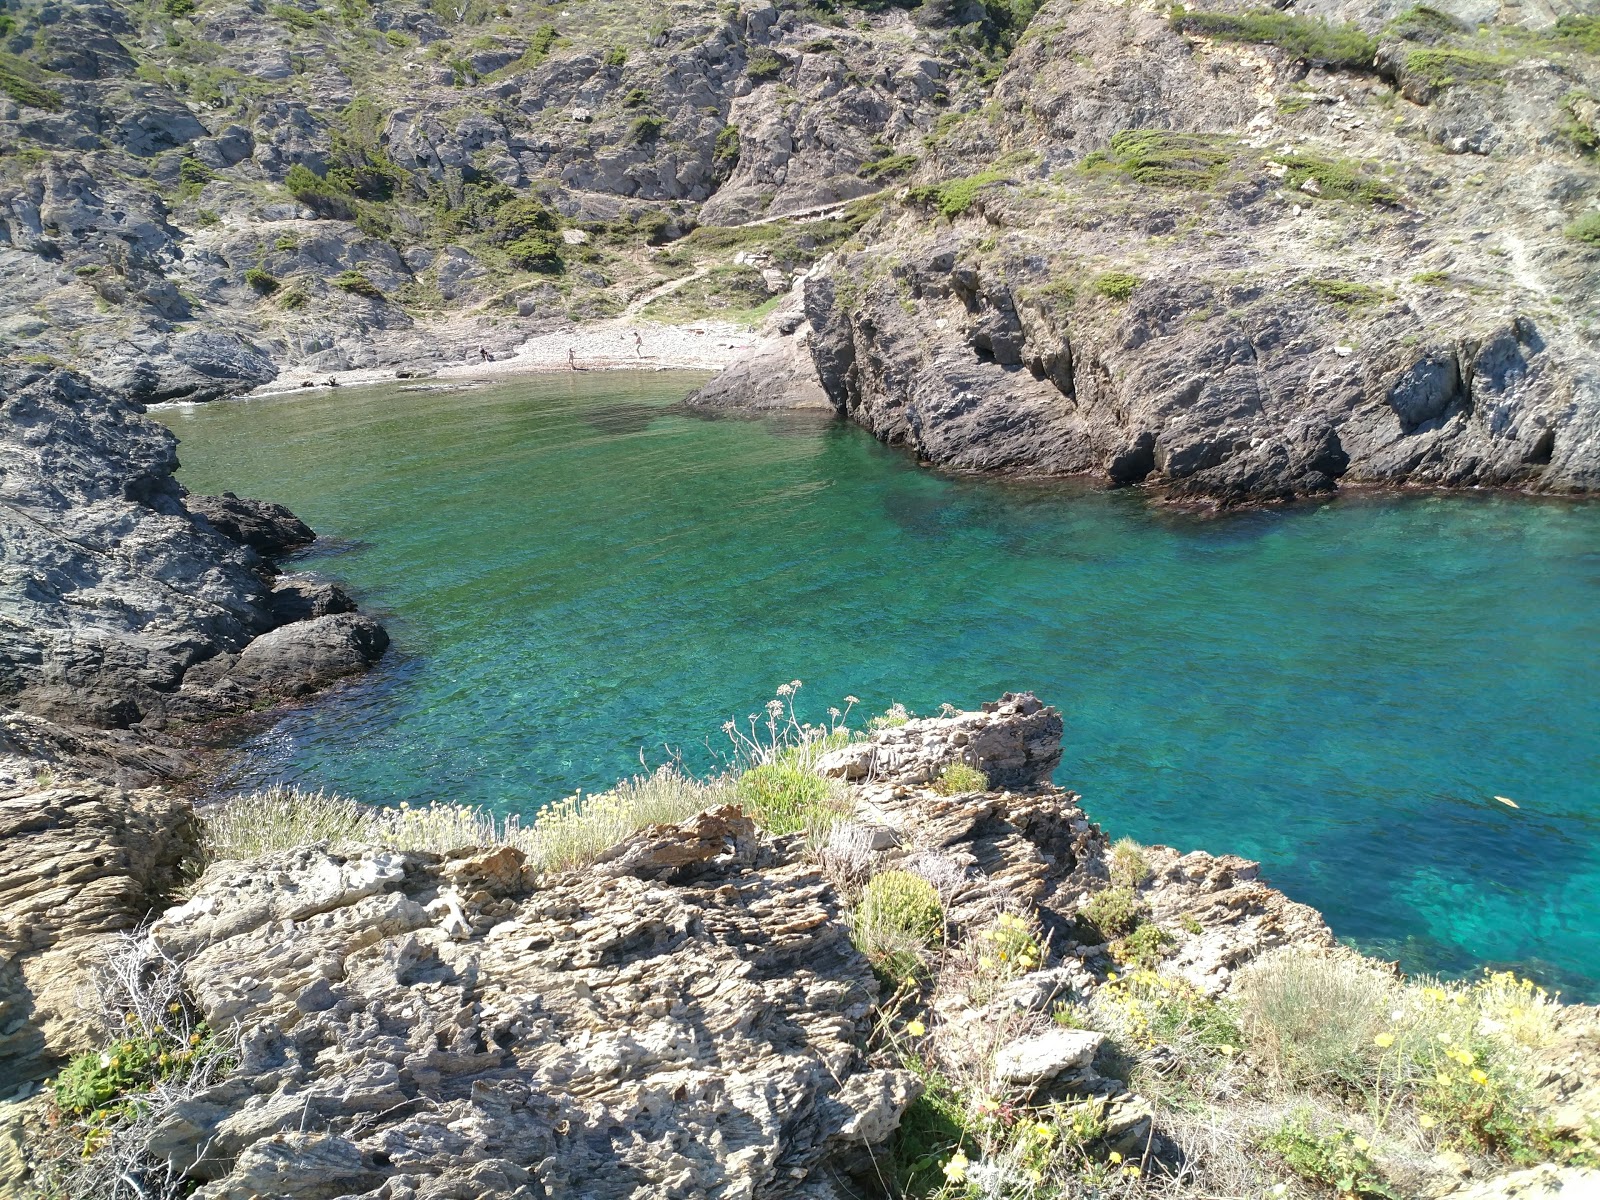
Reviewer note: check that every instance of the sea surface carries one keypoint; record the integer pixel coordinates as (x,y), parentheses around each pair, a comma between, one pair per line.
(581,577)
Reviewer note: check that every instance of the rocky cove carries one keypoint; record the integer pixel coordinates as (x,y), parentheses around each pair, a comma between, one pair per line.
(896,962)
(1229,256)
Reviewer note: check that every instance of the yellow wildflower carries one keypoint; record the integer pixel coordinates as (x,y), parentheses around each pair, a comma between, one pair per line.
(956,1169)
(1131,1172)
(1444,1079)
(1361,1143)
(1383,1041)
(1114,1157)
(1427,1121)
(916,1028)
(1479,1078)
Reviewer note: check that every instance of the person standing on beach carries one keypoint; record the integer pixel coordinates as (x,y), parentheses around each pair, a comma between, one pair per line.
(638,345)
(572,359)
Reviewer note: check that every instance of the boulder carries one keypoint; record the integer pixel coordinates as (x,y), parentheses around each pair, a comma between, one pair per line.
(271,530)
(1048,1056)
(297,659)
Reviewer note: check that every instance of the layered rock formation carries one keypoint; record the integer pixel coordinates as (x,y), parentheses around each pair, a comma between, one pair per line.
(126,618)
(123,606)
(1222,267)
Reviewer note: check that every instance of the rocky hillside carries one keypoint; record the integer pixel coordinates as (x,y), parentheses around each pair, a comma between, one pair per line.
(1243,253)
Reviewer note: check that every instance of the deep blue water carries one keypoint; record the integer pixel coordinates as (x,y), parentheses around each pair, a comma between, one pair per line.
(576,573)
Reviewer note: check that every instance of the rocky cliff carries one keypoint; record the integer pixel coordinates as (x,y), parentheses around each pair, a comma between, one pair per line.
(131,614)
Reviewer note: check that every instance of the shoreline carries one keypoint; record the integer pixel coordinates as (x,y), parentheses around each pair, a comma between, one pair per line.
(600,346)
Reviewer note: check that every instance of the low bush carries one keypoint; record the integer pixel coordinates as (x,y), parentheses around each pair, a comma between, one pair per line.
(726,147)
(1112,913)
(954,197)
(1340,179)
(1129,865)
(763,64)
(636,98)
(1145,947)
(24,83)
(294,18)
(889,167)
(575,831)
(1115,285)
(1585,229)
(295,298)
(1337,1159)
(357,284)
(615,56)
(785,794)
(1162,158)
(1346,293)
(960,778)
(1442,68)
(1305,38)
(278,819)
(1311,1017)
(899,917)
(645,129)
(262,281)
(321,195)
(539,252)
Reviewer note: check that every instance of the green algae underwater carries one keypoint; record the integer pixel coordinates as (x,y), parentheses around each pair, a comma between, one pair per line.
(577,573)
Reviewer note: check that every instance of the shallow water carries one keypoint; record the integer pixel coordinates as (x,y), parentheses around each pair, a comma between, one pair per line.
(576,573)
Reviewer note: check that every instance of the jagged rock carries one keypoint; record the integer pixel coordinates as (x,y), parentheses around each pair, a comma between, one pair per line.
(611,1032)
(82,863)
(300,598)
(674,853)
(116,592)
(1048,1056)
(271,530)
(300,658)
(1015,741)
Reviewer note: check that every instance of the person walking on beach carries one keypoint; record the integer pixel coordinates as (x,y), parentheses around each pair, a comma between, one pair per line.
(638,345)
(572,359)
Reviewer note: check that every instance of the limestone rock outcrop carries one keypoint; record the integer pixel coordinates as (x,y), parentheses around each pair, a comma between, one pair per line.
(82,862)
(416,1026)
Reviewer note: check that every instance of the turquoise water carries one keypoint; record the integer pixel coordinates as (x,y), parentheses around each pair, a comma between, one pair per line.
(576,573)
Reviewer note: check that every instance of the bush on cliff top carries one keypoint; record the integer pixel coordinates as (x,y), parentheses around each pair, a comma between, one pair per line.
(1304,38)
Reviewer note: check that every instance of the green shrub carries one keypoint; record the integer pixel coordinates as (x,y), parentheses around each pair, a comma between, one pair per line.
(1338,1160)
(23,82)
(294,299)
(1424,24)
(193,175)
(726,147)
(261,281)
(525,215)
(616,56)
(645,129)
(537,251)
(889,167)
(1586,229)
(321,195)
(1144,947)
(899,917)
(653,226)
(763,64)
(294,18)
(954,197)
(959,778)
(1444,68)
(1340,179)
(1112,913)
(1301,37)
(1116,285)
(785,794)
(1582,32)
(1162,158)
(904,903)
(1311,1018)
(178,8)
(1129,866)
(636,98)
(1431,278)
(357,284)
(1346,293)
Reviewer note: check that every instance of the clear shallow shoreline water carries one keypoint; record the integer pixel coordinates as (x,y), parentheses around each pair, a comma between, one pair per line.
(576,573)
